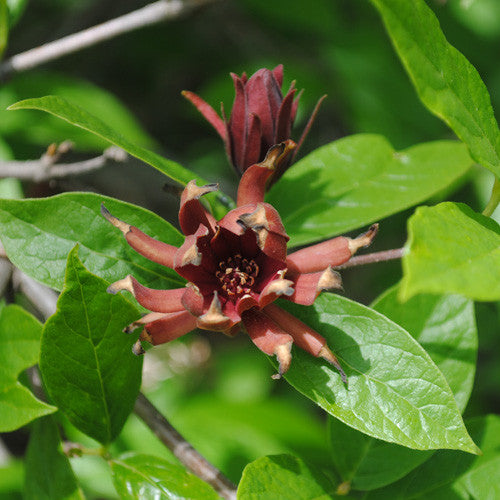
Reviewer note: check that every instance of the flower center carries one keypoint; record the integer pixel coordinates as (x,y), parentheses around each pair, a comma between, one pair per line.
(237,275)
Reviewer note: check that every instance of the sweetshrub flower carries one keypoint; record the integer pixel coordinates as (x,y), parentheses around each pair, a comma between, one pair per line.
(236,268)
(260,117)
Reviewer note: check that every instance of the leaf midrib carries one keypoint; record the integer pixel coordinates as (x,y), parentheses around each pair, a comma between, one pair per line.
(98,365)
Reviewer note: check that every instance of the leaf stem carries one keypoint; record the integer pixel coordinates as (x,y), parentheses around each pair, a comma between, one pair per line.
(372,258)
(195,462)
(494,199)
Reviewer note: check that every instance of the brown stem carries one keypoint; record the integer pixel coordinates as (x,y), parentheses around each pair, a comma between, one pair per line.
(371,258)
(195,462)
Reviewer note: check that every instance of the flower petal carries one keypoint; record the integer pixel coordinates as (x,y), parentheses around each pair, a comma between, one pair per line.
(308,125)
(278,74)
(318,257)
(194,259)
(192,213)
(170,327)
(237,122)
(214,319)
(208,112)
(284,119)
(152,249)
(162,301)
(192,300)
(252,186)
(303,336)
(308,286)
(266,223)
(269,337)
(274,289)
(253,142)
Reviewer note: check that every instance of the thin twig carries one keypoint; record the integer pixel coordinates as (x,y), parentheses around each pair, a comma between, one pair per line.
(182,449)
(44,299)
(46,169)
(153,13)
(41,296)
(371,258)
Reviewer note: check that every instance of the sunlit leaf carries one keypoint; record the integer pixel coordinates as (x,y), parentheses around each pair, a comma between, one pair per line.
(20,336)
(452,249)
(153,478)
(395,392)
(86,360)
(445,327)
(354,181)
(445,80)
(39,233)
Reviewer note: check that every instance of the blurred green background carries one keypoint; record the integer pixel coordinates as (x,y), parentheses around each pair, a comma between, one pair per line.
(217,391)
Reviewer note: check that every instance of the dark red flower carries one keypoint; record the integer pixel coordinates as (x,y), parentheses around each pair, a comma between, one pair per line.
(236,268)
(260,117)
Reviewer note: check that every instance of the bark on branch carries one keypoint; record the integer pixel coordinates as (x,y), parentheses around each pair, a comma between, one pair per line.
(47,168)
(153,13)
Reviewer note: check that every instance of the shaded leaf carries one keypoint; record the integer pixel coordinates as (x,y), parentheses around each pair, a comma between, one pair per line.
(48,472)
(395,392)
(452,249)
(20,336)
(39,233)
(285,477)
(86,359)
(453,474)
(360,179)
(153,478)
(445,327)
(445,80)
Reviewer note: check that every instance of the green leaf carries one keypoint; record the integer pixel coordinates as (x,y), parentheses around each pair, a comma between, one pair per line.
(16,9)
(45,128)
(452,249)
(74,114)
(285,477)
(445,327)
(445,80)
(20,346)
(360,179)
(153,478)
(4,26)
(395,393)
(39,233)
(452,474)
(48,472)
(86,359)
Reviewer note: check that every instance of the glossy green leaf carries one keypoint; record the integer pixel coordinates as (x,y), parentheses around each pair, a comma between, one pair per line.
(452,249)
(395,392)
(285,477)
(16,9)
(445,80)
(19,349)
(44,128)
(39,233)
(153,478)
(445,327)
(452,474)
(48,472)
(74,114)
(86,359)
(354,181)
